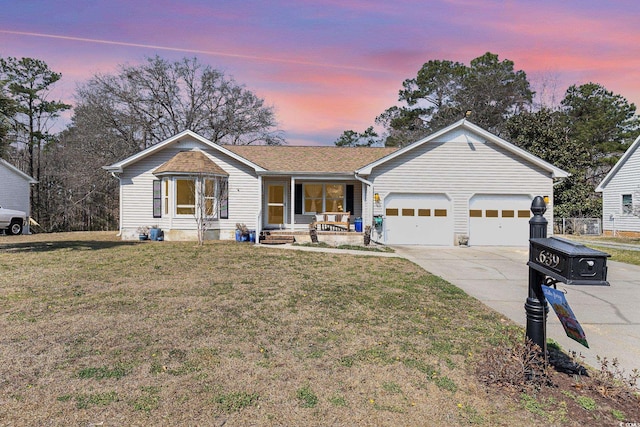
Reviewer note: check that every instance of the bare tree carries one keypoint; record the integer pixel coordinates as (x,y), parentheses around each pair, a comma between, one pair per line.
(148,103)
(211,195)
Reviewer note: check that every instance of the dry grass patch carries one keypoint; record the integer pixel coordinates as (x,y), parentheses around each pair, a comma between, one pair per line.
(96,330)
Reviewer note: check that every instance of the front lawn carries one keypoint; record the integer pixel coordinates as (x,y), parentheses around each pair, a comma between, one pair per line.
(617,254)
(96,331)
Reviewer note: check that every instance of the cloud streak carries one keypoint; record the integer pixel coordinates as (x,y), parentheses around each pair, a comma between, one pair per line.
(199,51)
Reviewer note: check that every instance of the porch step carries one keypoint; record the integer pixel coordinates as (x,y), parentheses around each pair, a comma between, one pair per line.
(276,239)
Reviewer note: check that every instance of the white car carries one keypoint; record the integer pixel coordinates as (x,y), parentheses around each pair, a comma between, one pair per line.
(12,221)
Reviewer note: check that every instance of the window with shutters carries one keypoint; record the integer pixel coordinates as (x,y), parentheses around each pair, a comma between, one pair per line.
(320,197)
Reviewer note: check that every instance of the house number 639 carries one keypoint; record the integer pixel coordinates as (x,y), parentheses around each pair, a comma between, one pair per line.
(549,259)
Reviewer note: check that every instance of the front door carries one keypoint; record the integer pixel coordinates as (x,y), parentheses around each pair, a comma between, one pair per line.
(276,205)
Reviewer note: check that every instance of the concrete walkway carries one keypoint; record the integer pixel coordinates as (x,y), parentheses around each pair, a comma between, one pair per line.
(498,276)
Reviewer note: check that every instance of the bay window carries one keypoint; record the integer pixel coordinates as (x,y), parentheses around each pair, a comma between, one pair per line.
(205,196)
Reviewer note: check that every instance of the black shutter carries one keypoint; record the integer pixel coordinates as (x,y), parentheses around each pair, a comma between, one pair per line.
(157,198)
(223,196)
(350,198)
(298,199)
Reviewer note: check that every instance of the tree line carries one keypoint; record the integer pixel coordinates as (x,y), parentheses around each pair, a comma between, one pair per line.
(115,115)
(584,134)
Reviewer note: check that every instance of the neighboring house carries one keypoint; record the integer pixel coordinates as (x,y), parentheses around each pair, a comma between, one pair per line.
(460,181)
(15,189)
(621,195)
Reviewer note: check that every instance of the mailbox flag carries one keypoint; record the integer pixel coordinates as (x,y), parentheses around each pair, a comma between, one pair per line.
(569,322)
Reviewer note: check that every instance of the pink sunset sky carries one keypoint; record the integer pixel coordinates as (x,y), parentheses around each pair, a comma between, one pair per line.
(328,66)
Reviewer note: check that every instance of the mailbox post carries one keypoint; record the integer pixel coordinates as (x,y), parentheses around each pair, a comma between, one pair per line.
(557,260)
(536,305)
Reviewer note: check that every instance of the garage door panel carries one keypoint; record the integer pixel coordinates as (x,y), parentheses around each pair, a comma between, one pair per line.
(499,220)
(418,219)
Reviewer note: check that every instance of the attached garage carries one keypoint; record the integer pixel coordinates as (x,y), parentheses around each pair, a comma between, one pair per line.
(499,220)
(418,219)
(459,184)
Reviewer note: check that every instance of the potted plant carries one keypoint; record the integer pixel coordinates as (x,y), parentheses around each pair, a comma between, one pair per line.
(463,240)
(143,232)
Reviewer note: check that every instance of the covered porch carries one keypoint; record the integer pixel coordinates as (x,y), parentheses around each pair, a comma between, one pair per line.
(292,203)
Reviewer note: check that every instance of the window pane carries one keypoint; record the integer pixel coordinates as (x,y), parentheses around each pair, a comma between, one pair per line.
(276,194)
(334,197)
(475,213)
(276,215)
(166,197)
(408,212)
(440,212)
(424,212)
(335,205)
(186,211)
(335,191)
(313,190)
(523,214)
(508,214)
(492,213)
(208,207)
(209,186)
(627,203)
(313,205)
(185,192)
(391,212)
(185,197)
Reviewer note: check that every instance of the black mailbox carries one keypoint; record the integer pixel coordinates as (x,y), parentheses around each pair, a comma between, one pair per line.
(568,262)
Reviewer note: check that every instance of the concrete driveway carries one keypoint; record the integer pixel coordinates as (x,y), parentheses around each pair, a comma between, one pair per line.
(498,276)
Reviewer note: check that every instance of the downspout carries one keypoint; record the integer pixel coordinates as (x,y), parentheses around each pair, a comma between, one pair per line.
(120,204)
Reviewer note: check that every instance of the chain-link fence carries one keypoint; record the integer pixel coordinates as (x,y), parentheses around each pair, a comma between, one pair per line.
(580,226)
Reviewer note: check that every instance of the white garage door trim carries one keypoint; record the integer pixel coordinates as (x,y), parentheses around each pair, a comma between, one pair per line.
(418,219)
(499,219)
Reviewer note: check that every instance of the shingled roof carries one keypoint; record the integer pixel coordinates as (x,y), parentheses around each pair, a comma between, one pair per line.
(309,159)
(186,162)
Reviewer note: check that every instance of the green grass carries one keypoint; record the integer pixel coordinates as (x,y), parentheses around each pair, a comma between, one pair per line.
(236,401)
(102,372)
(620,255)
(306,396)
(150,333)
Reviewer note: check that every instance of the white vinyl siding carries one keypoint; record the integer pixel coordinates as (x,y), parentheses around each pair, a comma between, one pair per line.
(460,165)
(625,181)
(137,195)
(14,191)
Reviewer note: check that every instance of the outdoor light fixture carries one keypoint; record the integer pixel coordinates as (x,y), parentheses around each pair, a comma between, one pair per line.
(546,200)
(376,197)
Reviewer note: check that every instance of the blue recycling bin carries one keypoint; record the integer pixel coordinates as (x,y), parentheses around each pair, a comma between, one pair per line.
(154,233)
(357,223)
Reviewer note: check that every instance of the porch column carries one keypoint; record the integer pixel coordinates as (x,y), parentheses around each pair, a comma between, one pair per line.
(365,209)
(292,207)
